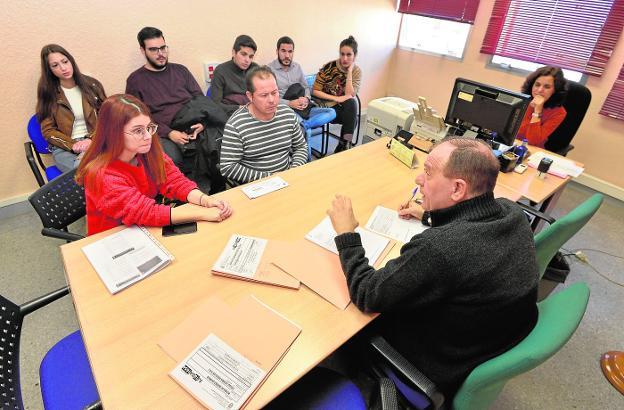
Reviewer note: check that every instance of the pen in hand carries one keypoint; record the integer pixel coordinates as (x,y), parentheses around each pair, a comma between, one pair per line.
(414,192)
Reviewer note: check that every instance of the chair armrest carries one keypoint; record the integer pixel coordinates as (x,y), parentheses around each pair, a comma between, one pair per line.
(44,300)
(30,157)
(387,399)
(94,406)
(57,233)
(407,371)
(530,210)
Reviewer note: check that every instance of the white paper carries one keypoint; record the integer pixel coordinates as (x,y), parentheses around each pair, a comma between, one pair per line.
(218,375)
(264,187)
(323,235)
(241,256)
(386,222)
(560,167)
(126,257)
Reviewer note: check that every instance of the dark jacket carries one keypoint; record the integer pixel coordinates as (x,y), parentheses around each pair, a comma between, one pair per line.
(201,109)
(57,128)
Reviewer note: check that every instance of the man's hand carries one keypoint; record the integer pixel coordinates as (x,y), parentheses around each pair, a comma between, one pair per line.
(341,98)
(197,128)
(81,146)
(411,210)
(179,137)
(299,104)
(341,215)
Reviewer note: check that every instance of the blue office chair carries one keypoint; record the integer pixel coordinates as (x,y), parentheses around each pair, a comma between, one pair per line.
(34,148)
(65,373)
(318,125)
(325,389)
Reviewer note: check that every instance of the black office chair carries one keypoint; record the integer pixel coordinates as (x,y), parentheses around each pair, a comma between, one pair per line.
(575,103)
(59,203)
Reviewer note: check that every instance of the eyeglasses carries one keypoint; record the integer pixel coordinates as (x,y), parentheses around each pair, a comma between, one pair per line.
(139,132)
(161,49)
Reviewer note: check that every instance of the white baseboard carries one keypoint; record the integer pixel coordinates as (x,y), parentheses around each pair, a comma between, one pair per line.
(14,200)
(600,185)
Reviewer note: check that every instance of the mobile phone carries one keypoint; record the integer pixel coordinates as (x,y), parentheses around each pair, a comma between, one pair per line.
(179,229)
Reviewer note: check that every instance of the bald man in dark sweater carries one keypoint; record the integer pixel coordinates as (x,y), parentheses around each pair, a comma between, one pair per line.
(464,290)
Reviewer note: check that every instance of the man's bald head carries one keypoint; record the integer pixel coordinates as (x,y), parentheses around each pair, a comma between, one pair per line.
(471,160)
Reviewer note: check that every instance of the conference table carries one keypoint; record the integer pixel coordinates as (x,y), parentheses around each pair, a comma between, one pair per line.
(121,331)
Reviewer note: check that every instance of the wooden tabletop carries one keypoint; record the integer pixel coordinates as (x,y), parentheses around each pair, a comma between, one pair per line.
(121,331)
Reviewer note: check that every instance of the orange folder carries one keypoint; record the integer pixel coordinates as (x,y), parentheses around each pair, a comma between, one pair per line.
(319,269)
(267,271)
(243,327)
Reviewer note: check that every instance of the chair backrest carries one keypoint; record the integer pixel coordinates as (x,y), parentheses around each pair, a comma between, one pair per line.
(34,132)
(11,319)
(553,237)
(576,103)
(60,202)
(559,317)
(310,78)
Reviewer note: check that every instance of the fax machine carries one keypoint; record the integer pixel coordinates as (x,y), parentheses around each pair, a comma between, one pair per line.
(385,117)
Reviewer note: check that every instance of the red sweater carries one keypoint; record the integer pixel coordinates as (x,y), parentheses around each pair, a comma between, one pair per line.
(124,194)
(538,132)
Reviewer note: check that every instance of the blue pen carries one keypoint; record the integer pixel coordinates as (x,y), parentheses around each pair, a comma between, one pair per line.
(414,192)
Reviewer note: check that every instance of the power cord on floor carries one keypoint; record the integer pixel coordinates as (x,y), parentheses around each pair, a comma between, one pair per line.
(578,254)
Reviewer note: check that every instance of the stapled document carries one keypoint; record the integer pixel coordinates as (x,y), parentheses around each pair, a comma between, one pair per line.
(386,222)
(218,375)
(249,258)
(126,257)
(264,187)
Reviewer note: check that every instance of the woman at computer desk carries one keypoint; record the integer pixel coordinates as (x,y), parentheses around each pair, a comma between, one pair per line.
(67,105)
(125,168)
(547,86)
(336,86)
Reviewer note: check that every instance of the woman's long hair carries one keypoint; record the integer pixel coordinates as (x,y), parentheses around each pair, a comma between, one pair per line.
(561,84)
(108,141)
(49,83)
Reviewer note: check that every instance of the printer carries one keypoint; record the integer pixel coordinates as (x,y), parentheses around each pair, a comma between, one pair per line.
(385,117)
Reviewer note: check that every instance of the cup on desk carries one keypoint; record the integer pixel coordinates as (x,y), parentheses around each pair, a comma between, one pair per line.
(508,161)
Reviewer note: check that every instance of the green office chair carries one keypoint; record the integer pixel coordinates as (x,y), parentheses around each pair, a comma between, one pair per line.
(559,316)
(552,238)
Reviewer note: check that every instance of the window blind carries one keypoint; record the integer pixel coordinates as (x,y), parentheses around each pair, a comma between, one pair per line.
(614,104)
(575,34)
(463,11)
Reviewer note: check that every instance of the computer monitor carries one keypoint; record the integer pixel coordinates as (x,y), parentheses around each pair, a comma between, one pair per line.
(490,112)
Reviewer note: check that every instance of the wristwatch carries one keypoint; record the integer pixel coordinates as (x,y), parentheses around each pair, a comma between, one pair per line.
(536,115)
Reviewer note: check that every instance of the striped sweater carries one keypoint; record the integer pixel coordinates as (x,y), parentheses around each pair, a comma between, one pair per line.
(254,149)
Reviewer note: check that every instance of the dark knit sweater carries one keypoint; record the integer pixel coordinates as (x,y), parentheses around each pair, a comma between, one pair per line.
(164,92)
(460,293)
(228,79)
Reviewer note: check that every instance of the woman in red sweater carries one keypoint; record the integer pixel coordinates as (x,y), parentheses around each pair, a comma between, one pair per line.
(125,168)
(547,86)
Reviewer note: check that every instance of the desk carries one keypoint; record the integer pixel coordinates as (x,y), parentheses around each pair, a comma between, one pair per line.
(121,331)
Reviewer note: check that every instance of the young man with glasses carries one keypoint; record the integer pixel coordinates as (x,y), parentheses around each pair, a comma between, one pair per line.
(164,87)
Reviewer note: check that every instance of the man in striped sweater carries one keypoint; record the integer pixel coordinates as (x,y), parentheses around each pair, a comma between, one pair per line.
(262,137)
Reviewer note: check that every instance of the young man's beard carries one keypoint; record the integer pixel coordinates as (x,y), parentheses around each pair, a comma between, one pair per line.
(282,62)
(155,65)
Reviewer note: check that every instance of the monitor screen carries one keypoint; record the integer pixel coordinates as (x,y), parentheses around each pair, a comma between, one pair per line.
(491,112)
